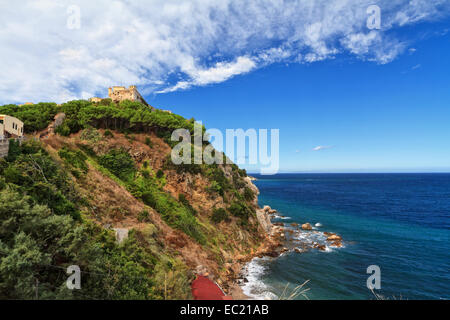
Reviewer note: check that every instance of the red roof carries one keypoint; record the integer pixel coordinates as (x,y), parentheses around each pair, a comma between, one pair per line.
(205,289)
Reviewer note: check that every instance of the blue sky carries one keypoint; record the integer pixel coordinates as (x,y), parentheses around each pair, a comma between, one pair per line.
(369,99)
(392,117)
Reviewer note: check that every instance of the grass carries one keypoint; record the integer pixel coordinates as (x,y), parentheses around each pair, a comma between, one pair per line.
(293,294)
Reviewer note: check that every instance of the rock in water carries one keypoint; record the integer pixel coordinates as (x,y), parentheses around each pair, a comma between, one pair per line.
(306,226)
(334,237)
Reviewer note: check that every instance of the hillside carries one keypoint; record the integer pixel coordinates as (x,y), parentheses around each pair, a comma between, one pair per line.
(106,170)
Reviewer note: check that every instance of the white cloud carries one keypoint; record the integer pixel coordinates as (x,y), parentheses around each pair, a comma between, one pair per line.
(318,148)
(220,72)
(169,45)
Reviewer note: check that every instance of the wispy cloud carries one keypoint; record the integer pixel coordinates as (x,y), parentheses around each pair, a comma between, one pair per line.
(318,148)
(169,45)
(417,66)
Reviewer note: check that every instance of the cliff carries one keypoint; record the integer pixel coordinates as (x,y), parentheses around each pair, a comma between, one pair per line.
(101,185)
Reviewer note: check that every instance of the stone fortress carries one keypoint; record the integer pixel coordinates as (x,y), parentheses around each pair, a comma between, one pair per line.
(118,93)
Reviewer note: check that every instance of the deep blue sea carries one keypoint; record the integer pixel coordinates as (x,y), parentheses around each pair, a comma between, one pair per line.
(399,222)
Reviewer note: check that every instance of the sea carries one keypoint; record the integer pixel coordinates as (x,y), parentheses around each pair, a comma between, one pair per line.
(397,224)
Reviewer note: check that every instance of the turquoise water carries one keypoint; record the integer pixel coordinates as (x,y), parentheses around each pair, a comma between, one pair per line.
(400,222)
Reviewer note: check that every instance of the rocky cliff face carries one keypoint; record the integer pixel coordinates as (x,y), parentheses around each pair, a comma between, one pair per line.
(222,199)
(104,168)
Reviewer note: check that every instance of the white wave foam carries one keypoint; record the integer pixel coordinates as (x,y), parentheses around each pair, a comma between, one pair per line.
(255,288)
(310,238)
(275,216)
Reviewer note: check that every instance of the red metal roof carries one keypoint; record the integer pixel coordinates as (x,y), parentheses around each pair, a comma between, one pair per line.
(205,289)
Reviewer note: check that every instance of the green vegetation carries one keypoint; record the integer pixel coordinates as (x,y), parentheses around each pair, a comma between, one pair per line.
(159,174)
(119,163)
(35,117)
(42,232)
(90,134)
(174,214)
(44,224)
(148,142)
(248,194)
(108,134)
(144,216)
(219,215)
(241,210)
(186,204)
(146,187)
(75,159)
(33,172)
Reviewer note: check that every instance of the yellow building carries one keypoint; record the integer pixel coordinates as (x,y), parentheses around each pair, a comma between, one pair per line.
(10,127)
(95,99)
(118,93)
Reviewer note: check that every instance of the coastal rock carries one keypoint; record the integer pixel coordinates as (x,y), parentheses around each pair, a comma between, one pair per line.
(267,208)
(294,224)
(319,246)
(264,220)
(334,237)
(272,254)
(336,244)
(254,189)
(306,226)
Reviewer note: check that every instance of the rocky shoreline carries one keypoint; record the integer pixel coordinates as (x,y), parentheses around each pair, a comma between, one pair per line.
(280,238)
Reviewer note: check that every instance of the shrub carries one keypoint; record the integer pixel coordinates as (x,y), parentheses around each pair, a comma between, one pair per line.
(215,187)
(219,215)
(105,102)
(248,194)
(108,134)
(143,216)
(149,199)
(239,210)
(90,134)
(120,163)
(148,142)
(185,202)
(159,174)
(63,130)
(74,158)
(145,174)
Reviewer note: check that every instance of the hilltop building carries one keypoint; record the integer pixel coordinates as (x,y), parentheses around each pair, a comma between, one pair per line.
(118,93)
(95,99)
(10,127)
